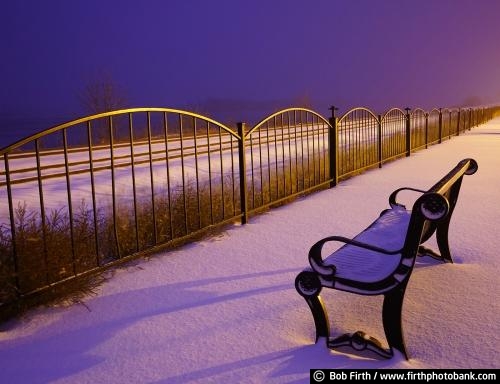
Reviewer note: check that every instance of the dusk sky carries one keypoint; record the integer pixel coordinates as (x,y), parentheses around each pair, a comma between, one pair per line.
(237,59)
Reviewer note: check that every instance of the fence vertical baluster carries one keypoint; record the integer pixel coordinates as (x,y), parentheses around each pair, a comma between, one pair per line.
(222,175)
(297,174)
(371,156)
(426,130)
(259,137)
(364,125)
(243,173)
(42,209)
(449,125)
(92,187)
(283,154)
(302,174)
(268,161)
(289,152)
(113,186)
(195,134)
(70,206)
(379,140)
(341,144)
(152,184)
(184,202)
(232,174)
(210,175)
(252,166)
(440,126)
(167,165)
(350,149)
(134,184)
(12,223)
(359,129)
(276,157)
(308,150)
(365,142)
(321,172)
(314,150)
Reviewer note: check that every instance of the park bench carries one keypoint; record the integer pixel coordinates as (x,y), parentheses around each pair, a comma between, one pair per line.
(380,259)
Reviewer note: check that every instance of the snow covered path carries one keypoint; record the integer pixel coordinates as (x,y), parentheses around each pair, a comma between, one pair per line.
(225,309)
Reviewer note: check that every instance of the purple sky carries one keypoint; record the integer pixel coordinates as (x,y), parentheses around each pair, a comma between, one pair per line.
(235,58)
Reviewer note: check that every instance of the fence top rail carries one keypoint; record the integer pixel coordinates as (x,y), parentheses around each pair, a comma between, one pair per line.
(283,111)
(392,110)
(434,110)
(351,111)
(418,111)
(85,119)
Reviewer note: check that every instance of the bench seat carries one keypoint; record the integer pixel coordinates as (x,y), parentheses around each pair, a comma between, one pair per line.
(365,265)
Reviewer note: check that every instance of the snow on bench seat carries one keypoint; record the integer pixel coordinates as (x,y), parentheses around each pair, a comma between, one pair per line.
(364,265)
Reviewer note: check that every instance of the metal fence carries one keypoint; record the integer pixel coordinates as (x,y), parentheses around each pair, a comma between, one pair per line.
(100,190)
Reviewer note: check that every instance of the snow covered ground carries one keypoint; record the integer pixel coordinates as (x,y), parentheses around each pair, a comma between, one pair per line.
(225,309)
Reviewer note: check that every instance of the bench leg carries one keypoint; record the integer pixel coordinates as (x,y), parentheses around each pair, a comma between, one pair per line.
(391,317)
(442,240)
(320,316)
(309,287)
(424,251)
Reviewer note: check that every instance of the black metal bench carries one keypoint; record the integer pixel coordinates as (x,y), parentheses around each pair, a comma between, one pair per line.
(379,261)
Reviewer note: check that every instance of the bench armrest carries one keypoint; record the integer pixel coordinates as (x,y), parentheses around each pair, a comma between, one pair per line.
(392,198)
(316,261)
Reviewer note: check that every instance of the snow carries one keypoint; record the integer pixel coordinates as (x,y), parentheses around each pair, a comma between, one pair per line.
(387,232)
(225,309)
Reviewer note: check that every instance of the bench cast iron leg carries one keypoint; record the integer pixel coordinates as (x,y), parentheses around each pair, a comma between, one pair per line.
(391,317)
(309,287)
(320,316)
(442,240)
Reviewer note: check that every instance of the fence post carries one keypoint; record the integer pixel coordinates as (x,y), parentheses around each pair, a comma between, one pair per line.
(243,173)
(440,127)
(470,119)
(332,148)
(408,132)
(458,122)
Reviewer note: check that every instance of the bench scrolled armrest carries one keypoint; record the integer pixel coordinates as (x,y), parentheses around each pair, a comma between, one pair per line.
(316,261)
(433,206)
(392,198)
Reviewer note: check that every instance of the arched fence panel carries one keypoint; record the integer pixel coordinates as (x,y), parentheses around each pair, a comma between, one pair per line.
(454,121)
(95,191)
(463,120)
(433,119)
(419,129)
(446,130)
(394,134)
(286,154)
(358,139)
